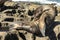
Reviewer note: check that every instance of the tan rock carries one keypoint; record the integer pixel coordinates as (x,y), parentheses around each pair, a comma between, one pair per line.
(10,3)
(2,1)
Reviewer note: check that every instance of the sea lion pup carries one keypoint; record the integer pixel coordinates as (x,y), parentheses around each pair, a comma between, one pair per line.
(44,16)
(41,20)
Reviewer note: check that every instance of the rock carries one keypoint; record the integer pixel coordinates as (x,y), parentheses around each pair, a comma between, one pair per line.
(8,7)
(2,1)
(7,10)
(57,17)
(57,30)
(10,3)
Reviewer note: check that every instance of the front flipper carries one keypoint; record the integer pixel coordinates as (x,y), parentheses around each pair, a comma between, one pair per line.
(43,31)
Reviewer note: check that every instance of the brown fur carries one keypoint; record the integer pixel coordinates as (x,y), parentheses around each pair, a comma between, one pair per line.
(49,13)
(44,15)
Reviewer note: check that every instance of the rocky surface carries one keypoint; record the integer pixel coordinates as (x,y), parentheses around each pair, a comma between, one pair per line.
(27,6)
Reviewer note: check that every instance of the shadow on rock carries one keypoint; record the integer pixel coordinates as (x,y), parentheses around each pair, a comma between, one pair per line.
(11,37)
(22,36)
(50,32)
(58,36)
